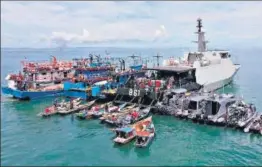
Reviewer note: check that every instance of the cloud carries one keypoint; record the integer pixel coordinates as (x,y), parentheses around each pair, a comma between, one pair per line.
(73,23)
(161,32)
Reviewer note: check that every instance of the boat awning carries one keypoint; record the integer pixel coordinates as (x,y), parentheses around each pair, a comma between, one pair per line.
(178,69)
(125,129)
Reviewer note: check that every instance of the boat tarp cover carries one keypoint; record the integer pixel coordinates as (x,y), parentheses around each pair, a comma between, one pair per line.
(96,91)
(143,133)
(125,129)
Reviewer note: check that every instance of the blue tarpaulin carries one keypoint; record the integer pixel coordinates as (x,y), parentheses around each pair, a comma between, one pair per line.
(125,129)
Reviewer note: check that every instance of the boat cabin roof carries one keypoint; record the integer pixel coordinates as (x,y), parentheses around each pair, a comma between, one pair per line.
(222,98)
(179,90)
(199,98)
(125,129)
(172,68)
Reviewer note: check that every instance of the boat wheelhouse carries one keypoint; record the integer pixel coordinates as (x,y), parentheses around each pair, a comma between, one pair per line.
(91,81)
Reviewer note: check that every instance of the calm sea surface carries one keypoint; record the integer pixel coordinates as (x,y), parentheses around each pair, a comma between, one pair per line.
(29,140)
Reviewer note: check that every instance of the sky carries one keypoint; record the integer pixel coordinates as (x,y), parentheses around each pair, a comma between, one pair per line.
(40,24)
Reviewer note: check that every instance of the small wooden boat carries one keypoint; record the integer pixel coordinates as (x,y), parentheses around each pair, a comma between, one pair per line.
(77,107)
(99,110)
(123,111)
(127,133)
(52,110)
(117,119)
(142,113)
(124,135)
(145,132)
(48,111)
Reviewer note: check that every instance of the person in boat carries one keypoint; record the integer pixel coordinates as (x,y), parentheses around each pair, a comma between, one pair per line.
(106,108)
(55,103)
(114,117)
(135,114)
(47,110)
(128,118)
(71,104)
(151,128)
(63,103)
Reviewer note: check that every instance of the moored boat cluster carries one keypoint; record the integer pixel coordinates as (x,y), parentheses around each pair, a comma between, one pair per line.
(213,109)
(180,88)
(129,121)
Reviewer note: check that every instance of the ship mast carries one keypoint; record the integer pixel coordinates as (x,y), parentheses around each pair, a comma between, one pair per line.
(201,37)
(157,56)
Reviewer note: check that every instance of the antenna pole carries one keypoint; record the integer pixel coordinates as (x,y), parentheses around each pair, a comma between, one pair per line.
(158,56)
(201,37)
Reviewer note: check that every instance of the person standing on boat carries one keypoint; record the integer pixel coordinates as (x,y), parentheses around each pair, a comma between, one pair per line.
(71,104)
(55,103)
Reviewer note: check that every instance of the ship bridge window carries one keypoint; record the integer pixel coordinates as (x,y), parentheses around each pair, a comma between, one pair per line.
(224,55)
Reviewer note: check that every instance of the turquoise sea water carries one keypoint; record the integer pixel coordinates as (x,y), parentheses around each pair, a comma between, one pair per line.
(30,140)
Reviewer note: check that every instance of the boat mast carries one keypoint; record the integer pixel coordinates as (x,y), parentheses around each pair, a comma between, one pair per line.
(158,56)
(201,37)
(133,57)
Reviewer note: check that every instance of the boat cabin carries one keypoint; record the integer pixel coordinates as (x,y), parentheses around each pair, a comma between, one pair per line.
(196,103)
(218,104)
(125,132)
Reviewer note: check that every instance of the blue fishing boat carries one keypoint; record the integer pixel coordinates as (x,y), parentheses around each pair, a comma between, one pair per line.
(39,79)
(90,82)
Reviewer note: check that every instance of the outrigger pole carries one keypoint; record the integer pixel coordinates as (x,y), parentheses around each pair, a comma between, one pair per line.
(158,56)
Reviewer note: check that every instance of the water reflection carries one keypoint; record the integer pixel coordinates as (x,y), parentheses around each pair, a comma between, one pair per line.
(142,152)
(125,149)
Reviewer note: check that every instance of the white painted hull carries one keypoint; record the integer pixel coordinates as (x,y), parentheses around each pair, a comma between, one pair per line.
(211,86)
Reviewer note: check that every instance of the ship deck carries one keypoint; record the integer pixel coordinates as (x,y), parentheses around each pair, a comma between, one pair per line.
(178,69)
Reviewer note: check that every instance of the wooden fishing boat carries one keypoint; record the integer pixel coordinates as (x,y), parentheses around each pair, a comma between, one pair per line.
(145,132)
(76,108)
(127,133)
(124,135)
(52,110)
(142,113)
(111,109)
(124,111)
(117,119)
(97,110)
